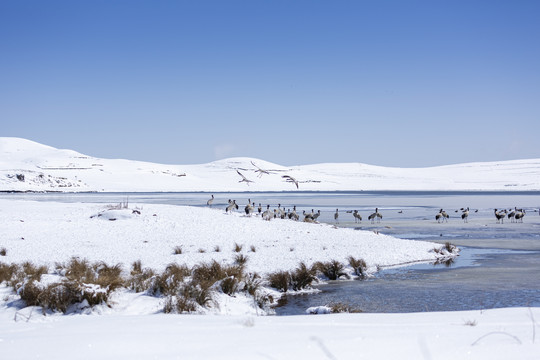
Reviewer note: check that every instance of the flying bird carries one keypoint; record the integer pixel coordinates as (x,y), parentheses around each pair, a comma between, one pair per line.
(244,179)
(260,171)
(290,179)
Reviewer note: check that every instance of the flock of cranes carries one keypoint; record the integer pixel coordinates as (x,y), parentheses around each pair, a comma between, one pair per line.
(515,215)
(281,213)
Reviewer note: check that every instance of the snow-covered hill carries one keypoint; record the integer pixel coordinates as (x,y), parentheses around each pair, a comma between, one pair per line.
(29,166)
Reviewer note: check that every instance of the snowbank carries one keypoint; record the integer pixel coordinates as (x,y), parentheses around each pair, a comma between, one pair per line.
(46,233)
(492,334)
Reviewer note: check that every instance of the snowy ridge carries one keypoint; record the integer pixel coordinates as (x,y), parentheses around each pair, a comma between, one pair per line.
(29,166)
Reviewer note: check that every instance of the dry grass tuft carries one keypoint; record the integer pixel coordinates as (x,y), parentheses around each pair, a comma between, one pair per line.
(237,247)
(279,280)
(178,250)
(337,308)
(109,277)
(3,251)
(359,266)
(240,260)
(252,283)
(7,272)
(331,269)
(80,271)
(303,276)
(170,281)
(140,279)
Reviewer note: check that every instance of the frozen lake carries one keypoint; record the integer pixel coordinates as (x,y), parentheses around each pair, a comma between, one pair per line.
(498,266)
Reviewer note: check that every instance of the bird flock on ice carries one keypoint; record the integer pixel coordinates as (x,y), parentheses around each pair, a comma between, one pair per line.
(515,215)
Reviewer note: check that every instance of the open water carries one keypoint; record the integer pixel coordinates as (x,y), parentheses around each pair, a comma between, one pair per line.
(499,265)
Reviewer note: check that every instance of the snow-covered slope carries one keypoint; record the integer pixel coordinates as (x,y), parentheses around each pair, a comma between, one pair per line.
(28,166)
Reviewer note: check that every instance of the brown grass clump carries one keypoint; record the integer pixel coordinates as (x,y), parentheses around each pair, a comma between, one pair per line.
(109,277)
(33,272)
(303,276)
(279,280)
(230,285)
(449,247)
(343,308)
(252,283)
(237,247)
(170,281)
(58,296)
(178,250)
(214,271)
(179,305)
(140,279)
(194,291)
(332,269)
(240,260)
(7,272)
(3,251)
(359,266)
(78,270)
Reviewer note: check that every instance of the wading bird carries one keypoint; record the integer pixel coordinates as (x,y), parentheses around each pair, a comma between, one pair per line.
(500,215)
(465,215)
(376,215)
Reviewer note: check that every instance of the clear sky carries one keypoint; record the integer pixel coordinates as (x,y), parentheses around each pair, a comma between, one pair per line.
(391,83)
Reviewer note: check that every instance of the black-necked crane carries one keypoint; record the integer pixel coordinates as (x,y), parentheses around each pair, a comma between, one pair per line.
(280,212)
(357,216)
(520,214)
(465,215)
(512,214)
(336,216)
(259,209)
(308,217)
(439,216)
(290,179)
(249,208)
(293,215)
(316,215)
(260,171)
(244,179)
(376,215)
(232,206)
(267,214)
(500,215)
(210,201)
(445,215)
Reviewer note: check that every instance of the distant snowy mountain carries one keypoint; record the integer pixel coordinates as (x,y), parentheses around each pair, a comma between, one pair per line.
(29,166)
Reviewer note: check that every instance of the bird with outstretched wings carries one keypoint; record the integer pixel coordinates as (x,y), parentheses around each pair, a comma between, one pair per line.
(260,171)
(244,179)
(290,179)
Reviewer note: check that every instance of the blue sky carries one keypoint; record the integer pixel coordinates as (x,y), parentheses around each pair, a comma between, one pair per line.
(391,83)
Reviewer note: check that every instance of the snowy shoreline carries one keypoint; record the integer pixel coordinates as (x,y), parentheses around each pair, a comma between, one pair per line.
(49,234)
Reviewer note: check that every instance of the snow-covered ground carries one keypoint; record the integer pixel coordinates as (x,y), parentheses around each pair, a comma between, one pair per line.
(47,232)
(133,325)
(493,334)
(28,166)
